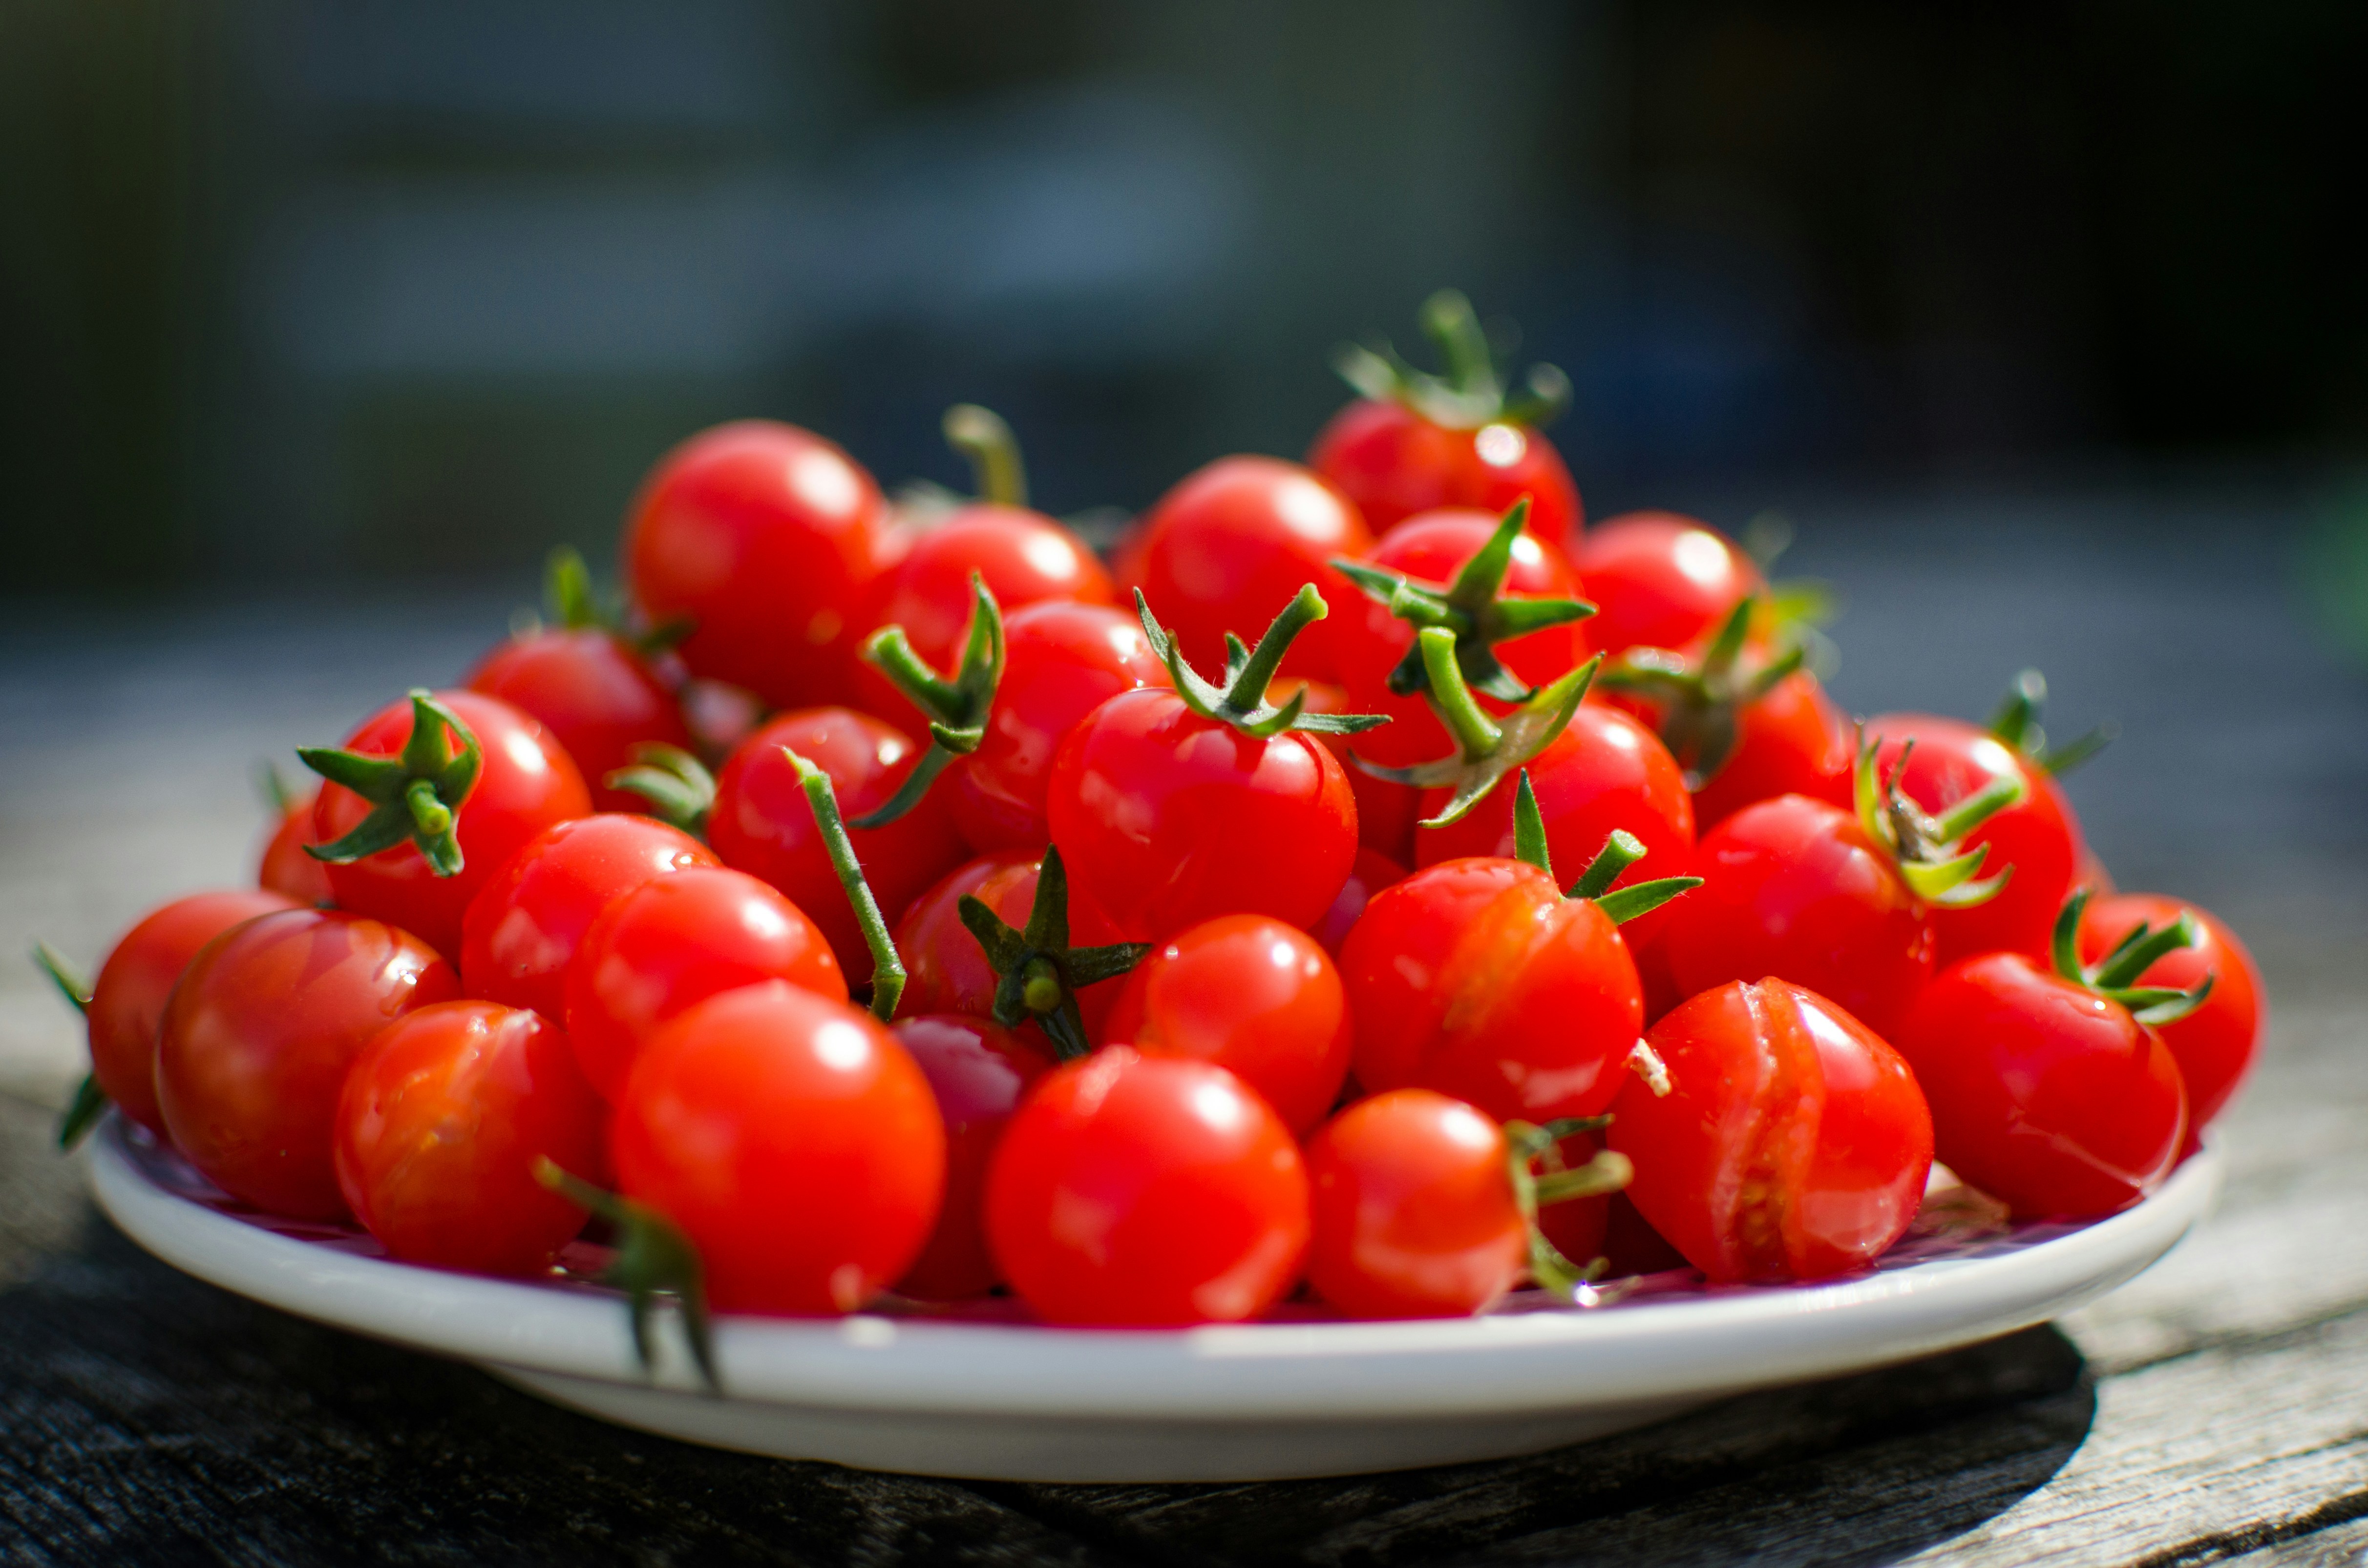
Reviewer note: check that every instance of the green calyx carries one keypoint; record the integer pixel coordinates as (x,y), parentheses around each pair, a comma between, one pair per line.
(957,709)
(1928,849)
(1471,608)
(654,1258)
(677,786)
(570,603)
(414,796)
(1241,702)
(1487,748)
(89,1101)
(1039,973)
(1471,393)
(1620,851)
(1701,702)
(887,966)
(2114,976)
(2016,723)
(981,434)
(1529,1146)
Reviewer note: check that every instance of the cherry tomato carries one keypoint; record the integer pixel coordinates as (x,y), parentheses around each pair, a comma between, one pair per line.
(259,1035)
(1413,1208)
(439,1126)
(979,1072)
(1660,580)
(672,943)
(1479,979)
(1395,464)
(284,868)
(527,784)
(1792,741)
(2215,1044)
(2047,1096)
(769,539)
(1233,541)
(1793,1143)
(1060,661)
(1137,1192)
(127,1001)
(946,969)
(524,926)
(792,1140)
(1253,995)
(1372,872)
(763,824)
(1387,809)
(593,693)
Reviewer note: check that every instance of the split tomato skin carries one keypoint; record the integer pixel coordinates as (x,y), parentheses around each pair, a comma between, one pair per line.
(595,695)
(1395,464)
(1793,1143)
(1792,741)
(526,924)
(979,1071)
(1478,979)
(1660,580)
(127,1000)
(260,1036)
(663,947)
(527,783)
(1413,1208)
(2047,1096)
(792,1140)
(439,1128)
(1165,819)
(1139,1191)
(284,868)
(2215,1044)
(766,538)
(1256,997)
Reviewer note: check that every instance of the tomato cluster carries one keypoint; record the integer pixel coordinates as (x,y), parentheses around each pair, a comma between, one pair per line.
(1156,939)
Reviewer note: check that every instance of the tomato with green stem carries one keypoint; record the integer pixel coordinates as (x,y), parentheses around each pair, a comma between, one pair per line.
(979,1072)
(1033,976)
(285,867)
(2216,1043)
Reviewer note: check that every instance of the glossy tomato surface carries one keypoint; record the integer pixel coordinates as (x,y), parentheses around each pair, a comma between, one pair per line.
(1413,1207)
(979,1072)
(1792,1144)
(946,969)
(1660,580)
(439,1126)
(1792,741)
(597,698)
(1372,872)
(1386,809)
(1395,464)
(2214,1045)
(792,1140)
(1135,1191)
(259,1037)
(283,867)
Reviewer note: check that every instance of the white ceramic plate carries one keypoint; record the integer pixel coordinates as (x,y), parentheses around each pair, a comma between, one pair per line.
(1011,1401)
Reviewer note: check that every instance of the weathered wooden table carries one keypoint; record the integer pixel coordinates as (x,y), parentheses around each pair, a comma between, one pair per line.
(2216,1408)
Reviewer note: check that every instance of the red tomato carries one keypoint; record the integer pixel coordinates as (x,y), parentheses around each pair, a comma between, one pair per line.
(1386,809)
(672,943)
(763,824)
(792,1140)
(1579,1227)
(1660,580)
(1792,741)
(284,868)
(1395,464)
(127,1001)
(1478,978)
(2046,1095)
(2215,1044)
(1413,1208)
(1253,995)
(1233,541)
(1060,661)
(979,1072)
(527,783)
(1372,872)
(524,926)
(593,693)
(439,1128)
(947,970)
(1135,1191)
(1793,1143)
(258,1040)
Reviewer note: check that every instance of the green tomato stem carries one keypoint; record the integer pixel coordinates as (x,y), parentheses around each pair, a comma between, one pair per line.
(887,966)
(982,436)
(653,1257)
(1476,735)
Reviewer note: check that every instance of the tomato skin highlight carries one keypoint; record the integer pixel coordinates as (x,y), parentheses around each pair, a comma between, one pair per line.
(979,1071)
(670,944)
(2214,1045)
(595,695)
(525,925)
(1660,580)
(439,1128)
(526,785)
(1134,1191)
(1256,997)
(260,1036)
(1413,1208)
(1395,464)
(127,998)
(2045,1095)
(1793,1143)
(283,867)
(795,1143)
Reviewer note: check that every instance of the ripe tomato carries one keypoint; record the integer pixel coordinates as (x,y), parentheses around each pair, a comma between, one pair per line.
(127,1002)
(1256,997)
(979,1072)
(1793,1143)
(525,784)
(593,692)
(258,1040)
(1413,1208)
(792,1140)
(1660,580)
(670,944)
(1236,539)
(769,539)
(1387,809)
(763,824)
(1372,872)
(1790,740)
(284,868)
(2215,1044)
(524,926)
(439,1128)
(1135,1191)
(948,972)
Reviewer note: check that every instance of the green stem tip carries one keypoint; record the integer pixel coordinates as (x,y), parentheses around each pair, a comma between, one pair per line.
(957,709)
(887,967)
(1241,702)
(415,796)
(653,1257)
(1039,973)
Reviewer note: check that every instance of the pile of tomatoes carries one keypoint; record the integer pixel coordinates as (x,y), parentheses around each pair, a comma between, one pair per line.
(1370,886)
